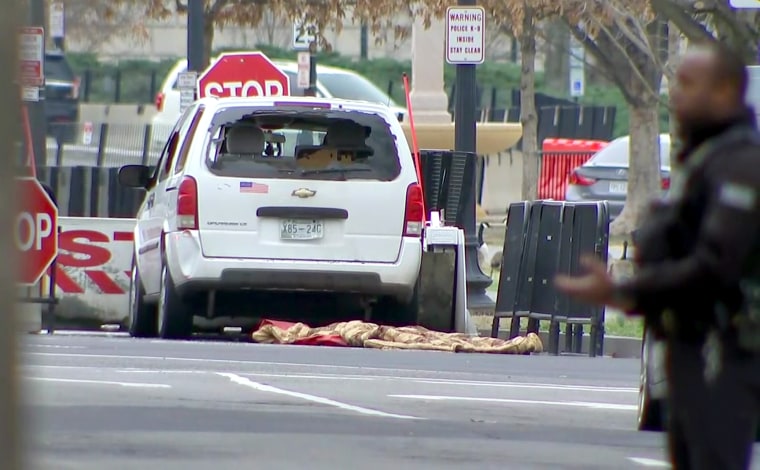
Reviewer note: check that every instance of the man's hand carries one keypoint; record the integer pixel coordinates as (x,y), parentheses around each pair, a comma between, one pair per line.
(595,287)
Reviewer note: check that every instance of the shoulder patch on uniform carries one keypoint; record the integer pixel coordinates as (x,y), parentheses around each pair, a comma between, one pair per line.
(738,196)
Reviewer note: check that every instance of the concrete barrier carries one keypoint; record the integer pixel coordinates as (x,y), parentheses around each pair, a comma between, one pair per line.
(93,272)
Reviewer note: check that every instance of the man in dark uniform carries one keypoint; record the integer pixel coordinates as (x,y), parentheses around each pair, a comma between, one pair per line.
(698,268)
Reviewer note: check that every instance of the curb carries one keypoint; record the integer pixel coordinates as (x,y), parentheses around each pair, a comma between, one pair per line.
(614,346)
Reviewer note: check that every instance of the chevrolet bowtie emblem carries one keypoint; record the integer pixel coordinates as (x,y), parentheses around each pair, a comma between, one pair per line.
(303,193)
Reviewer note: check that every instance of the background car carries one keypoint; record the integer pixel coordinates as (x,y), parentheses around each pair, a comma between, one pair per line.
(61,97)
(332,82)
(604,177)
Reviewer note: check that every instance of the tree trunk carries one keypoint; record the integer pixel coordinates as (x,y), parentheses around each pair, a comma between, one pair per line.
(644,166)
(528,115)
(557,56)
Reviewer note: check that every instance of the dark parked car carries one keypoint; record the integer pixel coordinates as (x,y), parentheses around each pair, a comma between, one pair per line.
(61,97)
(604,177)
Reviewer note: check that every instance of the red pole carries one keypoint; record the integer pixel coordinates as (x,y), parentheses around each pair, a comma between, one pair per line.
(415,146)
(29,144)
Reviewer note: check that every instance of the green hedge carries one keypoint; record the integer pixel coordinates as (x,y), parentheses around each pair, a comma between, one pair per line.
(136,76)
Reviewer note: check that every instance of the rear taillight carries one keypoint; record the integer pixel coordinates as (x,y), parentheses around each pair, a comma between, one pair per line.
(580,180)
(414,216)
(665,183)
(187,204)
(160,101)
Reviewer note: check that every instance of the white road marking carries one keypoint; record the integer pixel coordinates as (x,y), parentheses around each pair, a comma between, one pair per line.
(99,382)
(649,462)
(588,388)
(56,346)
(312,398)
(364,377)
(581,404)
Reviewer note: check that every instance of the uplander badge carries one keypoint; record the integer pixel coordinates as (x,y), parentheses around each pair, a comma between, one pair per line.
(303,193)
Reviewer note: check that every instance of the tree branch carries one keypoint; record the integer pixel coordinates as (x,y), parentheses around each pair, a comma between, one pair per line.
(606,63)
(676,14)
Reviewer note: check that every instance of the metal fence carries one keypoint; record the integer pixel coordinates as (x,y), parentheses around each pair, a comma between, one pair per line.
(140,85)
(106,145)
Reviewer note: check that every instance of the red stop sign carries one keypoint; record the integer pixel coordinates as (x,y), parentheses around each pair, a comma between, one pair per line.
(35,229)
(243,74)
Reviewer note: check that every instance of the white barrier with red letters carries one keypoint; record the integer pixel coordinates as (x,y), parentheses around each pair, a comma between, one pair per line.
(93,270)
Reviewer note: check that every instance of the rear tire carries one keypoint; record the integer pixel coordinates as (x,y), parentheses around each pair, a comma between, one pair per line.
(142,316)
(390,311)
(651,412)
(175,318)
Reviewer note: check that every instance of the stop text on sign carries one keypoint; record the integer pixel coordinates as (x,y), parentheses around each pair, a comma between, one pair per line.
(31,230)
(244,89)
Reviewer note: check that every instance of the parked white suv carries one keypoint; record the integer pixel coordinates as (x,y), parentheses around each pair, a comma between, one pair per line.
(270,207)
(332,82)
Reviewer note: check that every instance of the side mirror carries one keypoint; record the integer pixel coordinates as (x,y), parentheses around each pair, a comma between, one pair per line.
(134,176)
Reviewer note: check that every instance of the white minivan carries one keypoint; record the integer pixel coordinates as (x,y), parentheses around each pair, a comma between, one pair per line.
(332,82)
(279,207)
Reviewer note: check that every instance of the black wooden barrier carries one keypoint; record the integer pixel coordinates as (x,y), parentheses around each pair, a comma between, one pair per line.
(542,239)
(446,177)
(90,191)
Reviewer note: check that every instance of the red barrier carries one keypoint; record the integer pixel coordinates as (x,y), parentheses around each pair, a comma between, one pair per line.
(560,157)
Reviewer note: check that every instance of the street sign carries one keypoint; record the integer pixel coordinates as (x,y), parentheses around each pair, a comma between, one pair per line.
(304,70)
(32,56)
(35,230)
(465,35)
(577,68)
(303,35)
(186,82)
(56,19)
(745,4)
(243,74)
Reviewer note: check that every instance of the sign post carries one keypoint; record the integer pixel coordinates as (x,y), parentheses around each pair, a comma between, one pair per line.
(243,74)
(465,47)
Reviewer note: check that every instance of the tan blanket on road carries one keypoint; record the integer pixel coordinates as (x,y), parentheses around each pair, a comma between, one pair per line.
(369,335)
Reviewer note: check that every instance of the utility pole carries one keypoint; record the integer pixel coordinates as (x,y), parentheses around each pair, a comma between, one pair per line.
(35,102)
(10,430)
(364,41)
(195,40)
(196,60)
(312,90)
(466,56)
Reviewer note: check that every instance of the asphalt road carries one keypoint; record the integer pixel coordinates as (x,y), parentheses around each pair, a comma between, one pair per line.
(118,403)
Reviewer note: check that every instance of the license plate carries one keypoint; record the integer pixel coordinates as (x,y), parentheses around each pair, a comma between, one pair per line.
(618,188)
(301,229)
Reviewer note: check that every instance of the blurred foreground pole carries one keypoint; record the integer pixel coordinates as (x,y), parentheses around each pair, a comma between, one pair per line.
(10,430)
(37,113)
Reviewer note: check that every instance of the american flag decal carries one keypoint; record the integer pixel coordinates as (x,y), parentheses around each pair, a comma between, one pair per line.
(251,187)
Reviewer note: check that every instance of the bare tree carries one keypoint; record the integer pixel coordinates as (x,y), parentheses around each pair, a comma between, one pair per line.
(92,23)
(629,43)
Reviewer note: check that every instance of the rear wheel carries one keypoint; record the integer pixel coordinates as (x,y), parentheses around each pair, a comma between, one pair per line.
(142,316)
(175,318)
(650,411)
